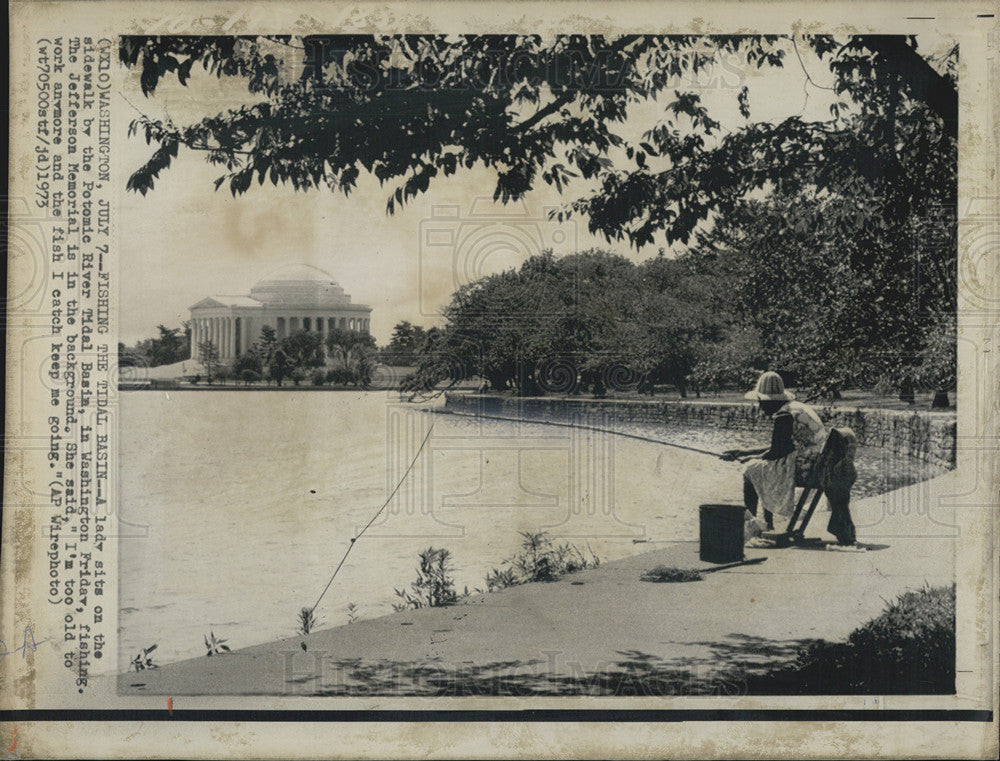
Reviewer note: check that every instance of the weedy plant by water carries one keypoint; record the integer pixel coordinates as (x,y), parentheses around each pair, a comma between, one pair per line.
(214,645)
(143,661)
(307,621)
(434,586)
(539,559)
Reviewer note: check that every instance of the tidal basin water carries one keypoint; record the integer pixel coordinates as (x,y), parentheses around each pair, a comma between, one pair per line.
(237,505)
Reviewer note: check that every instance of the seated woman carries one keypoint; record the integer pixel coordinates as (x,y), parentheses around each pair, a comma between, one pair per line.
(771,474)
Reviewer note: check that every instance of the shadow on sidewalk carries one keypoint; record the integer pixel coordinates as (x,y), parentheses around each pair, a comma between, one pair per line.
(726,670)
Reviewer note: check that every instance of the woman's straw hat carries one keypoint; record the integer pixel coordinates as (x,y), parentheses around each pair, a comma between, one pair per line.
(769,387)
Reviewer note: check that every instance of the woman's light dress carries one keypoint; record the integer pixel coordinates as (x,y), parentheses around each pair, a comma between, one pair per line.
(775,480)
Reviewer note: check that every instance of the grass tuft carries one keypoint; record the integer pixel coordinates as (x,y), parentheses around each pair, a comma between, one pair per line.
(669,574)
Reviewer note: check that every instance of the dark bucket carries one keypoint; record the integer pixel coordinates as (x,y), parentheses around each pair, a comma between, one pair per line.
(721,533)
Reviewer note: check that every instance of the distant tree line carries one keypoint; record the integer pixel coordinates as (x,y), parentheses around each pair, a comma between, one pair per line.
(406,344)
(344,358)
(768,288)
(823,248)
(171,345)
(586,322)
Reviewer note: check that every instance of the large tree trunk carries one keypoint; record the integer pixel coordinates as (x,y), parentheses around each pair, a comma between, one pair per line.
(940,400)
(600,390)
(921,80)
(906,393)
(497,381)
(681,386)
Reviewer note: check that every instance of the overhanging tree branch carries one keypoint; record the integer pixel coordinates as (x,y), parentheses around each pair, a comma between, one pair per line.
(920,78)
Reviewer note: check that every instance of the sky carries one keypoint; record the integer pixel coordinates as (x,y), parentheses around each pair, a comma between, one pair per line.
(184,240)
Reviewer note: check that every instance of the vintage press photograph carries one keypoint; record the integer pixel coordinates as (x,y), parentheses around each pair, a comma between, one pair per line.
(500,366)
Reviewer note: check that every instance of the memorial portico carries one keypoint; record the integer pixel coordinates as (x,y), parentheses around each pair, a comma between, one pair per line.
(295,298)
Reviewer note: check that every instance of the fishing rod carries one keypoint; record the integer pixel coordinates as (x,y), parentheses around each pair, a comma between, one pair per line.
(585,428)
(378,512)
(492,417)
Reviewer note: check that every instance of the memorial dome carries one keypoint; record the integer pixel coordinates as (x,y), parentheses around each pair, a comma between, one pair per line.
(300,285)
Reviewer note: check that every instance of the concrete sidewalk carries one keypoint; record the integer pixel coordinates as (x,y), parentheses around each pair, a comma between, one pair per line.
(603,631)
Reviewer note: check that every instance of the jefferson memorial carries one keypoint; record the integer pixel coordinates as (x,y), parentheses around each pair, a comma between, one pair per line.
(296,297)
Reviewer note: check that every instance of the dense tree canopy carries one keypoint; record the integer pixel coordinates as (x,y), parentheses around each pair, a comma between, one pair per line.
(343,357)
(589,321)
(765,291)
(406,342)
(823,248)
(170,346)
(549,110)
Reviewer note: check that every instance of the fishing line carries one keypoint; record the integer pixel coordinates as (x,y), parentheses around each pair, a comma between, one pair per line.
(586,428)
(491,417)
(374,517)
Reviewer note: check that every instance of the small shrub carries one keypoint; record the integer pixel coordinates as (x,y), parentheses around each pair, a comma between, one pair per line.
(434,586)
(318,378)
(908,650)
(500,579)
(540,560)
(339,376)
(536,561)
(142,661)
(352,612)
(215,646)
(307,621)
(916,630)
